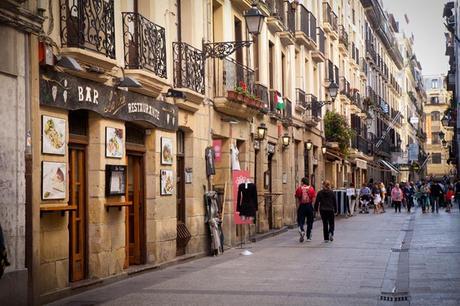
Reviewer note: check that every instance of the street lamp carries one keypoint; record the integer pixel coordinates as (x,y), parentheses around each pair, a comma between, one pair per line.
(261,131)
(323,149)
(445,120)
(286,140)
(309,145)
(254,19)
(332,91)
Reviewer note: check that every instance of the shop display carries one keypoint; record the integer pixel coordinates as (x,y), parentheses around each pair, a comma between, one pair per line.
(115,180)
(210,156)
(114,142)
(247,204)
(166,182)
(53,135)
(54,180)
(166,151)
(214,221)
(235,158)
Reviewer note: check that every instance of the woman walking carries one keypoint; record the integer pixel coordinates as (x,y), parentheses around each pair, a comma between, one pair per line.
(327,206)
(397,197)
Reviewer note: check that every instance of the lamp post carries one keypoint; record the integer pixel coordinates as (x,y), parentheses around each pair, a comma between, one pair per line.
(254,20)
(261,131)
(332,91)
(309,145)
(286,140)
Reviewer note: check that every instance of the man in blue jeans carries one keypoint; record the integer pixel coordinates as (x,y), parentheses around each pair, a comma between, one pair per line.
(305,195)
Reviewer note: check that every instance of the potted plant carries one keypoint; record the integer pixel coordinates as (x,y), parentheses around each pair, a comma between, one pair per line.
(337,130)
(241,90)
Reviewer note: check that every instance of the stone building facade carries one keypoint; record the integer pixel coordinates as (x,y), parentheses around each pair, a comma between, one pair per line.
(128,96)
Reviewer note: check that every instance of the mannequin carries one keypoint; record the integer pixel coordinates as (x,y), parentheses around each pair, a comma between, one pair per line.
(235,160)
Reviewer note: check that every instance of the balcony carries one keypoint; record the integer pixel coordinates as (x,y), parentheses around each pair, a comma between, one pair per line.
(330,21)
(361,144)
(343,40)
(356,105)
(313,113)
(354,55)
(144,52)
(261,92)
(306,28)
(363,69)
(287,35)
(87,31)
(319,55)
(287,112)
(300,101)
(235,89)
(371,54)
(332,73)
(344,90)
(189,76)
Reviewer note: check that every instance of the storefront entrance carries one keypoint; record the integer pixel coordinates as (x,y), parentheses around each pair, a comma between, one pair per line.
(135,212)
(181,239)
(77,224)
(270,190)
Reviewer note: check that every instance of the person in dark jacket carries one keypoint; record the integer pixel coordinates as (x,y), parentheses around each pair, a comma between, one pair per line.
(326,203)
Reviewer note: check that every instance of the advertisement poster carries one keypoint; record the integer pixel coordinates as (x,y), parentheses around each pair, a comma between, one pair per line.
(238,177)
(217,145)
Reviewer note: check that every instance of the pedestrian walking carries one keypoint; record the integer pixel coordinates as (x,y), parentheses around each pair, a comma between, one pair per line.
(305,195)
(351,194)
(377,195)
(436,194)
(383,194)
(424,196)
(408,192)
(397,197)
(326,203)
(457,192)
(364,199)
(450,196)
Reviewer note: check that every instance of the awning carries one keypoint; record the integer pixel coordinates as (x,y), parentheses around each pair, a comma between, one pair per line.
(390,166)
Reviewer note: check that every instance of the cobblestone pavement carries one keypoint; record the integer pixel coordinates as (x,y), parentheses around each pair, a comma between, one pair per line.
(374,260)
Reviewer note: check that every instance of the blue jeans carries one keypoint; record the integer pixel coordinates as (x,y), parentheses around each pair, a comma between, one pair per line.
(435,204)
(424,200)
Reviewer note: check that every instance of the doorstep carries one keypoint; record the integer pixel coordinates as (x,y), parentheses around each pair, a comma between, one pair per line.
(269,234)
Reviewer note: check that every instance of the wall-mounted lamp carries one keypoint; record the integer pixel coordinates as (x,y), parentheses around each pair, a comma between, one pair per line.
(68,62)
(323,149)
(309,145)
(261,131)
(254,19)
(286,140)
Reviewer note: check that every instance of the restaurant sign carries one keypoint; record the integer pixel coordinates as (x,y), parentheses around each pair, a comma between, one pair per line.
(68,92)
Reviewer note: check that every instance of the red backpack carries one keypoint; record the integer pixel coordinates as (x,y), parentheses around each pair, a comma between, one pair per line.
(305,199)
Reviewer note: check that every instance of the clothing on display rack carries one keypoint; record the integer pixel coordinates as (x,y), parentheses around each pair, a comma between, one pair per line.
(235,158)
(214,222)
(210,156)
(247,204)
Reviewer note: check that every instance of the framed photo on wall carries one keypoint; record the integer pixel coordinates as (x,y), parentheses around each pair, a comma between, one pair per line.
(53,135)
(114,146)
(166,182)
(166,151)
(54,180)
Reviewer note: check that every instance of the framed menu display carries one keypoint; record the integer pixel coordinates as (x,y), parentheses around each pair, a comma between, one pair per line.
(53,135)
(54,180)
(114,146)
(115,180)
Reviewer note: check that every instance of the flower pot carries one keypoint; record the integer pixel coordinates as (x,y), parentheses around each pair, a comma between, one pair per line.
(240,98)
(232,95)
(247,100)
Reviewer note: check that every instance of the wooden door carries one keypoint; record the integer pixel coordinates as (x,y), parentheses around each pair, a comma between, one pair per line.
(77,224)
(270,190)
(181,240)
(135,212)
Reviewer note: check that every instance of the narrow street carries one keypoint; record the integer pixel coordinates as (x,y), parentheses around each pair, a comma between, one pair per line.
(374,260)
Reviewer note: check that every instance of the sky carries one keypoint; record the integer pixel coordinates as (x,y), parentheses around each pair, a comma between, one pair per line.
(427,24)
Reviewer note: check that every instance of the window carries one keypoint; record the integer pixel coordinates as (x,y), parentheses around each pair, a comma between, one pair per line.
(434,100)
(436,158)
(434,83)
(435,138)
(435,116)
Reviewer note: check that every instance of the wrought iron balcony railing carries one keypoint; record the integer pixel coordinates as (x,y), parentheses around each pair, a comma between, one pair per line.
(332,72)
(262,93)
(232,75)
(321,40)
(188,67)
(145,44)
(330,17)
(343,36)
(344,87)
(290,17)
(300,98)
(370,50)
(307,23)
(315,109)
(287,112)
(363,66)
(88,24)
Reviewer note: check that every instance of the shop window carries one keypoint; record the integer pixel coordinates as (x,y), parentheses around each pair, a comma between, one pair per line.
(436,158)
(78,122)
(134,134)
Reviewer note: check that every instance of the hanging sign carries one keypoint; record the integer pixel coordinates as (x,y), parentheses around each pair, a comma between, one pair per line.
(68,92)
(413,152)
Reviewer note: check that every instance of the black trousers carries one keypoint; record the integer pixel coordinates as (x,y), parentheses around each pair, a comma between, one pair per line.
(305,211)
(327,216)
(397,205)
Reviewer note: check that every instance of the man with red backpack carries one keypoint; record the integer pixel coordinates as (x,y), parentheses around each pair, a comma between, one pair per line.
(305,196)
